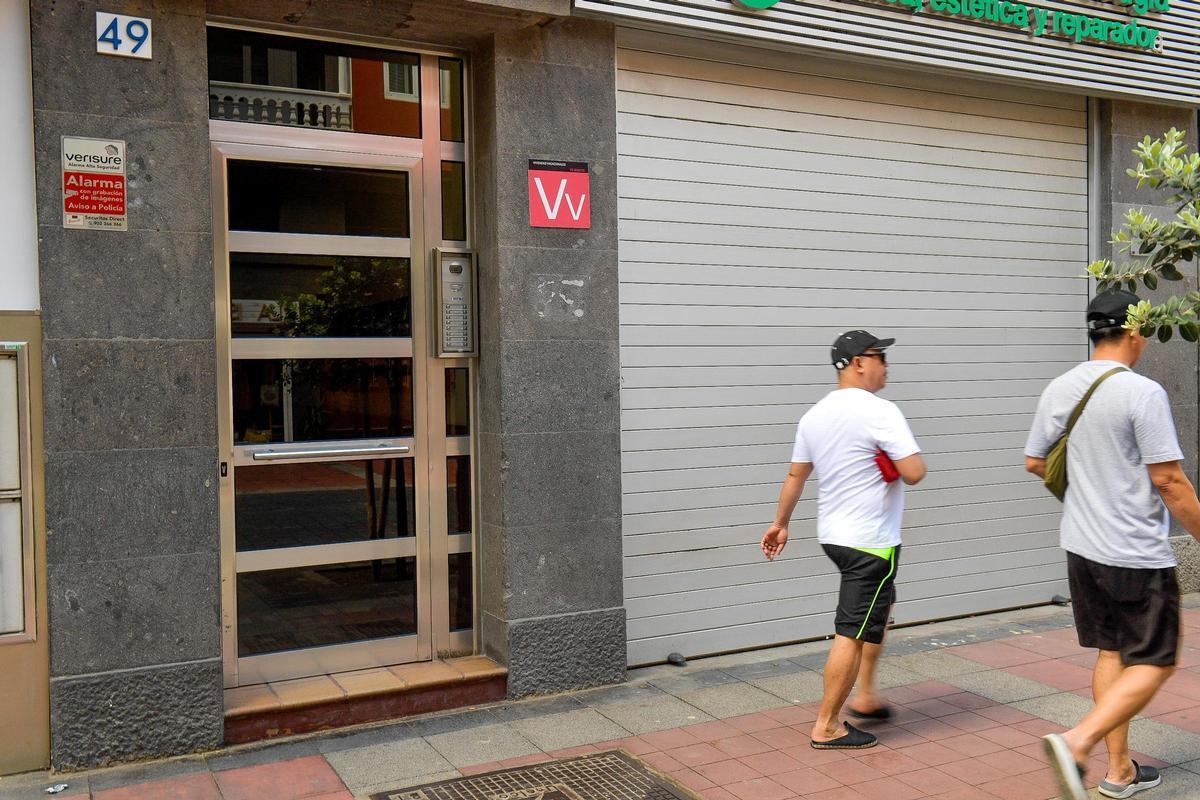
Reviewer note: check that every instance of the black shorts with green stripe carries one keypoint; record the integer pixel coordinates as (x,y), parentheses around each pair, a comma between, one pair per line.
(868,589)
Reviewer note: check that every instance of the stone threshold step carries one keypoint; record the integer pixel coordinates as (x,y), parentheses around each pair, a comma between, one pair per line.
(284,708)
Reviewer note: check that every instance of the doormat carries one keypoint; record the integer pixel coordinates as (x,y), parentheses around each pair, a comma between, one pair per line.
(612,775)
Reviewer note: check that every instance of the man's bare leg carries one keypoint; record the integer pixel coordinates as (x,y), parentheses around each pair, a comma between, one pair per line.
(841,670)
(867,699)
(1124,697)
(1108,670)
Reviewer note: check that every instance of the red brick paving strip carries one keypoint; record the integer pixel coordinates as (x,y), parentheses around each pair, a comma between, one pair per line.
(198,786)
(284,780)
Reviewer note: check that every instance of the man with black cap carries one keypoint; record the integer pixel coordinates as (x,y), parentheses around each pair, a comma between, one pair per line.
(1124,477)
(857,444)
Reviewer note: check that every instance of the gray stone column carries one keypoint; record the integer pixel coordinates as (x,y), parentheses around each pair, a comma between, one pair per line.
(1176,364)
(130,398)
(550,454)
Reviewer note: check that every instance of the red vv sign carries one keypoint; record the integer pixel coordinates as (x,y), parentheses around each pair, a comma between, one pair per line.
(559,194)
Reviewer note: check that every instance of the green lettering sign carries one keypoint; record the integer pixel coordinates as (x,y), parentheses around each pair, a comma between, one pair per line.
(1039,21)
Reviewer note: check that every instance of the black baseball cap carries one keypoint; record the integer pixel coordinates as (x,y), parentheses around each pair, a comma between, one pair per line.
(855,343)
(1110,309)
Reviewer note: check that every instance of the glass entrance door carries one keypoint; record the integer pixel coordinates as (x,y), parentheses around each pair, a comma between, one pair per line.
(325,458)
(346,452)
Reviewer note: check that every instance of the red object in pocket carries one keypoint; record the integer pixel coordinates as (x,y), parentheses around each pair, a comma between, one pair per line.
(886,468)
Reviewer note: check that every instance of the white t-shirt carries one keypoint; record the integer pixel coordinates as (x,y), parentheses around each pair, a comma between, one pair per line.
(839,437)
(1112,514)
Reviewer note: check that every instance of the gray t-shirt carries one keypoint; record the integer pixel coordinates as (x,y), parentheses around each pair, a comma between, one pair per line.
(1112,513)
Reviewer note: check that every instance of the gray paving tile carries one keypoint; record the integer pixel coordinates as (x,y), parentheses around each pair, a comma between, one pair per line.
(732,700)
(353,739)
(477,745)
(1062,708)
(936,664)
(813,661)
(906,647)
(457,721)
(572,729)
(1050,624)
(1164,742)
(254,755)
(764,669)
(1192,766)
(653,714)
(536,708)
(433,777)
(143,773)
(998,685)
(391,763)
(888,675)
(689,681)
(802,687)
(625,693)
(33,785)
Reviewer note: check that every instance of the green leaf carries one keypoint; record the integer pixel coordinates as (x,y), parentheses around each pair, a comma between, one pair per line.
(1164,333)
(1150,281)
(1171,273)
(1131,284)
(1189,331)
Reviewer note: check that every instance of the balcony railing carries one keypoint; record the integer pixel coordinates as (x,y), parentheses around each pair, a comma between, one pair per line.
(271,105)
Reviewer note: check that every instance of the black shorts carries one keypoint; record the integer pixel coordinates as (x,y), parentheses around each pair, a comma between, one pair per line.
(867,593)
(1134,612)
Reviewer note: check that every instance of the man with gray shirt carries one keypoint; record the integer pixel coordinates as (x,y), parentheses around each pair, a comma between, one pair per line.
(1123,464)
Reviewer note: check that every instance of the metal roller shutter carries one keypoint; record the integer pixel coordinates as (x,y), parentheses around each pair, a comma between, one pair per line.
(764,208)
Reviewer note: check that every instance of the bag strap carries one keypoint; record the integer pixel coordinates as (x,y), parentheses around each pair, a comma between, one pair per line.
(1088,396)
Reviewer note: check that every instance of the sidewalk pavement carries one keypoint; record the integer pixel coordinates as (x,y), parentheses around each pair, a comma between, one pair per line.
(972,697)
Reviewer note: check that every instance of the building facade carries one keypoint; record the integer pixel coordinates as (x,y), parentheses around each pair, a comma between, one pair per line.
(364,358)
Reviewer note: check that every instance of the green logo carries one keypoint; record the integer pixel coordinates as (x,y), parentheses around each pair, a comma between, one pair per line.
(757,3)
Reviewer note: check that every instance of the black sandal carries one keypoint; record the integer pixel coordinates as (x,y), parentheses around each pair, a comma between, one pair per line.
(883,712)
(853,740)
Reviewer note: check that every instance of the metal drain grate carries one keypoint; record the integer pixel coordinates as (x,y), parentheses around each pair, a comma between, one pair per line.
(611,775)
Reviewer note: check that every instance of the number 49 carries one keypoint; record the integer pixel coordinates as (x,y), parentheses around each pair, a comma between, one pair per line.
(136,31)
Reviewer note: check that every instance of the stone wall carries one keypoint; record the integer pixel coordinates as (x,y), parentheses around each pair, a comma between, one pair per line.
(1176,364)
(130,417)
(550,455)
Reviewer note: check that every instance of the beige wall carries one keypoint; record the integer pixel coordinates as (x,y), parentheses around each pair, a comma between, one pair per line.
(18,230)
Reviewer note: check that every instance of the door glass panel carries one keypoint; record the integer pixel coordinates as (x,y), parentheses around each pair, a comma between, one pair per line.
(454,201)
(458,494)
(303,296)
(300,400)
(278,80)
(297,505)
(450,71)
(10,431)
(12,569)
(458,403)
(461,611)
(300,198)
(287,609)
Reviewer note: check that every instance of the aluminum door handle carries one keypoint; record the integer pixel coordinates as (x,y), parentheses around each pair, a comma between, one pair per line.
(380,450)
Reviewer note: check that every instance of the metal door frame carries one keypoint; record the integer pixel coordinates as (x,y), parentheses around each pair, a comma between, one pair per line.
(422,158)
